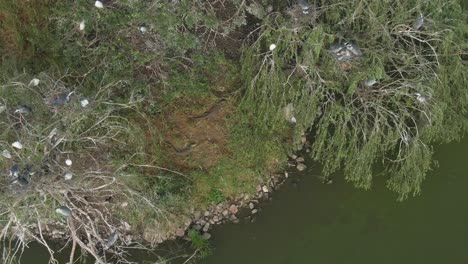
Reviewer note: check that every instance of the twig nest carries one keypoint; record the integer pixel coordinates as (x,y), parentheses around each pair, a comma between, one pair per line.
(84,102)
(6,154)
(272,47)
(17,145)
(98,4)
(68,176)
(82,25)
(143,29)
(68,162)
(64,211)
(34,82)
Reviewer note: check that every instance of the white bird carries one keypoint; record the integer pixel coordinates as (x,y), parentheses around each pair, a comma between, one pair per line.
(68,162)
(17,145)
(84,102)
(421,98)
(6,154)
(99,4)
(143,29)
(34,82)
(82,25)
(68,176)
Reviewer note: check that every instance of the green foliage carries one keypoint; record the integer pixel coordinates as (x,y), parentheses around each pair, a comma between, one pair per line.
(199,243)
(355,126)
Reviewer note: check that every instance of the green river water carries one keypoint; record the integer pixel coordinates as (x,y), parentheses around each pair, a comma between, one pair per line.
(317,223)
(311,222)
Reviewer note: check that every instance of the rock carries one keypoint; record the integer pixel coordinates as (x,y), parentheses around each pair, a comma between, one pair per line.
(207,213)
(225,212)
(259,188)
(286,175)
(124,204)
(235,221)
(188,222)
(126,226)
(197,227)
(206,227)
(265,189)
(6,154)
(233,209)
(300,159)
(202,222)
(197,215)
(206,236)
(68,176)
(215,218)
(254,211)
(180,232)
(293,156)
(303,139)
(17,145)
(251,205)
(301,167)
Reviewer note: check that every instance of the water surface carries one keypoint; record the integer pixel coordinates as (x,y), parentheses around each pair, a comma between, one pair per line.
(335,224)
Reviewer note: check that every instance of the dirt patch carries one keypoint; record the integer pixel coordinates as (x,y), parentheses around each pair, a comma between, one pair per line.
(195,136)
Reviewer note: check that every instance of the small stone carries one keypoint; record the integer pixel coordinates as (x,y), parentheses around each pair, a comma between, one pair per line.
(225,212)
(206,236)
(251,205)
(202,222)
(215,218)
(68,162)
(68,176)
(286,174)
(180,232)
(207,213)
(301,167)
(300,159)
(293,156)
(206,227)
(233,209)
(197,215)
(259,188)
(17,145)
(272,47)
(197,227)
(265,189)
(124,204)
(254,211)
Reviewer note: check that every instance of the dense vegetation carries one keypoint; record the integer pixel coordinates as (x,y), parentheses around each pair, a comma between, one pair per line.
(144,155)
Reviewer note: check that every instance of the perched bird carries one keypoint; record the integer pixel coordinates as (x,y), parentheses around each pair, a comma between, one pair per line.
(336,47)
(64,211)
(421,98)
(111,239)
(370,82)
(23,109)
(418,22)
(353,48)
(304,4)
(61,99)
(14,171)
